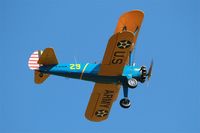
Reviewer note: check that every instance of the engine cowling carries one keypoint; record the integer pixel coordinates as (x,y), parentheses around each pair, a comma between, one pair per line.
(143,71)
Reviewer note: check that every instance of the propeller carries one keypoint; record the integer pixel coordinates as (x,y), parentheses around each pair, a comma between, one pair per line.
(150,71)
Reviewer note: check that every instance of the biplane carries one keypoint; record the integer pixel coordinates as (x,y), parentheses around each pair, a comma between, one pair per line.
(115,70)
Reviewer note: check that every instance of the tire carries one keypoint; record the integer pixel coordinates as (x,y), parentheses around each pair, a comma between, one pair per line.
(132,83)
(125,103)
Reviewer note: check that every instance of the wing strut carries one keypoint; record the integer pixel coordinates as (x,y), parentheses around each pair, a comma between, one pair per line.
(125,90)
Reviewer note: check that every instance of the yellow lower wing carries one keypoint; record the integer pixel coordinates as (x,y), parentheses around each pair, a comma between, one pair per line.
(101,101)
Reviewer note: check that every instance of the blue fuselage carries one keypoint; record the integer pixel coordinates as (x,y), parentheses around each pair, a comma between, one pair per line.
(90,72)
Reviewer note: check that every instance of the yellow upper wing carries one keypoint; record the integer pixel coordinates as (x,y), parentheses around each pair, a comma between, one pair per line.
(101,101)
(121,43)
(131,21)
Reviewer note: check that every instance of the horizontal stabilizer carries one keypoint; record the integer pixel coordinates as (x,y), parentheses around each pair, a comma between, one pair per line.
(40,77)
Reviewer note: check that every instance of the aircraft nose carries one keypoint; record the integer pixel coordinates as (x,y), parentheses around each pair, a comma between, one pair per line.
(143,71)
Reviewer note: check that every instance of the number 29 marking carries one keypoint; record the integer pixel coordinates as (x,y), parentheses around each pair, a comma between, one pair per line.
(75,66)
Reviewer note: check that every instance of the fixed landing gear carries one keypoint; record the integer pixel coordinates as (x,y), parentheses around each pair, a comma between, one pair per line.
(132,83)
(125,103)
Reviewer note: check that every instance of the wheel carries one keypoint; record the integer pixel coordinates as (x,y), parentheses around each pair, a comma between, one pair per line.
(132,83)
(125,103)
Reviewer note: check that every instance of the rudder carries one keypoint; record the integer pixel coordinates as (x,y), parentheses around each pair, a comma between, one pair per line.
(33,60)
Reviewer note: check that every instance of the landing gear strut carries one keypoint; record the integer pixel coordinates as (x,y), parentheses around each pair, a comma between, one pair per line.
(130,83)
(125,102)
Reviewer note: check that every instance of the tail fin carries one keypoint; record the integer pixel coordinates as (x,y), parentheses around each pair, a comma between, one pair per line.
(40,58)
(48,57)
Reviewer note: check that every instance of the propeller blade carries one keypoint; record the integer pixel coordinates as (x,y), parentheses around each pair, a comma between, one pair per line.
(150,70)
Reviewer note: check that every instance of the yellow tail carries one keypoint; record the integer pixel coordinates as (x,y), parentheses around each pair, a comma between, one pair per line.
(47,57)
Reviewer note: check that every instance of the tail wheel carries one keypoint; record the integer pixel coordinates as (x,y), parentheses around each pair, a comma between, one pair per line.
(41,75)
(132,83)
(125,103)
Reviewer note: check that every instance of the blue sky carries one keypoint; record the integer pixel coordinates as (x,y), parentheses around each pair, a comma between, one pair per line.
(169,34)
